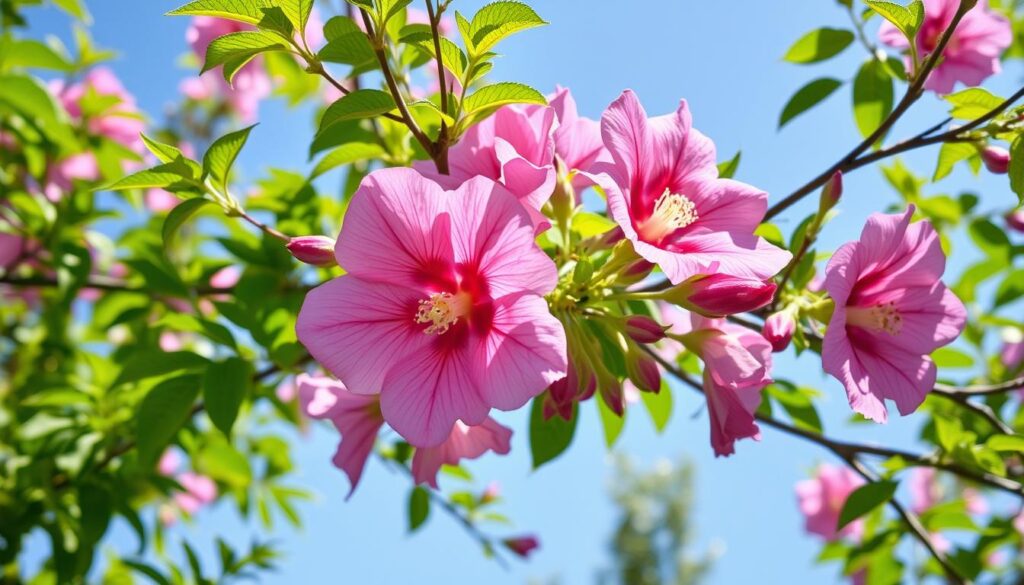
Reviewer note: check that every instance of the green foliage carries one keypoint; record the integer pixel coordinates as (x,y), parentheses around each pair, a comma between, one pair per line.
(162,413)
(907,19)
(549,438)
(419,507)
(807,97)
(872,96)
(819,45)
(225,388)
(865,499)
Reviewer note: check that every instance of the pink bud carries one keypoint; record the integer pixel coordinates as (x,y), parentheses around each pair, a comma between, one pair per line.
(643,372)
(832,192)
(611,393)
(1015,220)
(996,159)
(491,493)
(315,250)
(778,329)
(522,545)
(643,329)
(721,294)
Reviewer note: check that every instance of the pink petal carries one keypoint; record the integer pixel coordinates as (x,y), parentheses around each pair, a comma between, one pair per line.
(464,442)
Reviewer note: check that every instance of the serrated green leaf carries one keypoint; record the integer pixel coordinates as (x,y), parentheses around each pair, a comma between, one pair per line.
(486,100)
(819,45)
(352,48)
(247,11)
(347,154)
(419,507)
(549,438)
(807,97)
(907,19)
(240,45)
(175,175)
(178,216)
(162,413)
(166,153)
(498,20)
(872,96)
(362,103)
(225,386)
(865,499)
(340,25)
(950,154)
(972,103)
(221,155)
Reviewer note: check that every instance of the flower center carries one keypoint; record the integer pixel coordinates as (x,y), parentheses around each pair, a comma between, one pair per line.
(671,212)
(441,311)
(884,317)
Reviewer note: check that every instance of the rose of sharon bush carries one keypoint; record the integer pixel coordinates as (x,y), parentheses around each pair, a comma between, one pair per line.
(664,192)
(972,54)
(441,311)
(358,419)
(891,311)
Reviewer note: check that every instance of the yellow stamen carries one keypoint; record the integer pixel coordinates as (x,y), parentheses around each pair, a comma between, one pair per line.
(671,212)
(441,311)
(884,317)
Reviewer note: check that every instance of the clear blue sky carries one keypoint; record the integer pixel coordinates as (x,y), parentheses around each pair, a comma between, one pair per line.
(724,58)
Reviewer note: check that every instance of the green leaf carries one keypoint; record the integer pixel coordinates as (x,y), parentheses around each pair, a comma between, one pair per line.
(1016,170)
(31,54)
(362,103)
(950,154)
(948,357)
(162,413)
(1011,289)
(549,438)
(166,153)
(175,176)
(907,19)
(611,423)
(865,499)
(178,216)
(727,169)
(347,154)
(419,507)
(34,103)
(972,103)
(247,11)
(807,97)
(990,239)
(340,25)
(297,12)
(798,405)
(872,96)
(153,363)
(224,463)
(498,20)
(75,8)
(225,386)
(659,405)
(819,45)
(352,48)
(221,155)
(1005,443)
(240,46)
(486,100)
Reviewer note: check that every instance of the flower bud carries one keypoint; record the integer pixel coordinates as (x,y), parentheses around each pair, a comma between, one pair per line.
(996,159)
(491,493)
(1015,220)
(634,273)
(522,545)
(779,328)
(643,329)
(643,372)
(611,392)
(718,295)
(831,193)
(315,250)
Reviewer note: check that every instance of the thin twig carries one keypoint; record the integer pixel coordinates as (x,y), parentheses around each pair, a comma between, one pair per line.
(982,410)
(983,389)
(99,282)
(441,147)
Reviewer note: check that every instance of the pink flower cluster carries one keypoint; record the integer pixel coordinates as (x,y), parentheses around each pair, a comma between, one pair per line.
(198,491)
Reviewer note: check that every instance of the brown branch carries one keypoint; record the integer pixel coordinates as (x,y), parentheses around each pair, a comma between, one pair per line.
(441,147)
(982,389)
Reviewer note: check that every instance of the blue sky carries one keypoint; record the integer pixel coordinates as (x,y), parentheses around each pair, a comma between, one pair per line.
(725,59)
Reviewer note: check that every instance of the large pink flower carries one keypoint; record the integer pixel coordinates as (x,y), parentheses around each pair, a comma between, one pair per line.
(663,190)
(441,311)
(250,84)
(578,143)
(121,122)
(737,367)
(821,499)
(464,442)
(972,54)
(891,311)
(513,147)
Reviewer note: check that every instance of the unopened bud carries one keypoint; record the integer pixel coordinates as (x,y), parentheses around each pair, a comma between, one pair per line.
(1015,220)
(779,328)
(611,392)
(634,273)
(643,372)
(315,250)
(522,545)
(719,295)
(831,193)
(996,159)
(491,493)
(643,329)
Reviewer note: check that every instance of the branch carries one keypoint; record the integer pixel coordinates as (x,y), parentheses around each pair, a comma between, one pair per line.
(912,95)
(982,410)
(982,389)
(441,154)
(100,283)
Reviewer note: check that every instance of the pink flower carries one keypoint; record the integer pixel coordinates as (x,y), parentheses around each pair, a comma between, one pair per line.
(664,192)
(286,391)
(1015,220)
(441,311)
(996,159)
(169,463)
(578,143)
(226,277)
(972,54)
(514,147)
(925,490)
(737,367)
(250,84)
(11,247)
(821,499)
(315,250)
(779,329)
(720,294)
(974,501)
(60,176)
(1012,354)
(464,442)
(891,311)
(171,341)
(199,491)
(522,546)
(121,122)
(356,416)
(158,200)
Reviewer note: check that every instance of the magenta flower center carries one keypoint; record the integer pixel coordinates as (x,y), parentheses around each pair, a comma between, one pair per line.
(884,317)
(442,310)
(672,211)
